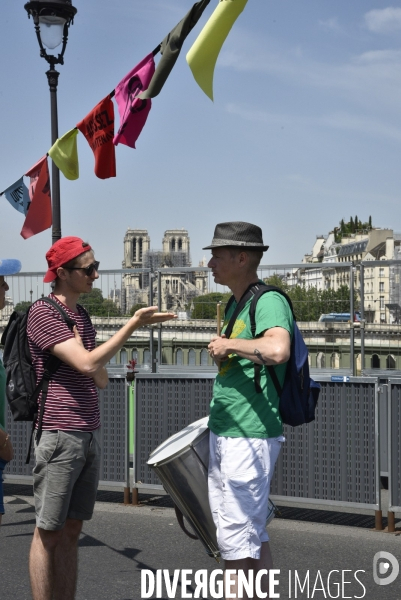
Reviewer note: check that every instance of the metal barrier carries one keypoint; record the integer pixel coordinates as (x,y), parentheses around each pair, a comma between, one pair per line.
(394,450)
(333,460)
(165,404)
(374,343)
(114,470)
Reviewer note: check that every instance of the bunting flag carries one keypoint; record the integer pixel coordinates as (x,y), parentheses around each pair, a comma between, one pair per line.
(133,111)
(202,57)
(64,154)
(170,48)
(17,195)
(98,129)
(39,215)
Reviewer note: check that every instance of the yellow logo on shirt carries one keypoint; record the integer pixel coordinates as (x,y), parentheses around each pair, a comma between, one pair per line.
(238,328)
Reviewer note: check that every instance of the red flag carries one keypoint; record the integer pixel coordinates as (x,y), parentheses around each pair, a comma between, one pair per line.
(39,215)
(98,128)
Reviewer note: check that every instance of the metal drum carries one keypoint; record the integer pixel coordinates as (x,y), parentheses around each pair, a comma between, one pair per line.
(181,462)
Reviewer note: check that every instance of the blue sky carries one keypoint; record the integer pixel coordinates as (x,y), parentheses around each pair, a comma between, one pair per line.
(305,128)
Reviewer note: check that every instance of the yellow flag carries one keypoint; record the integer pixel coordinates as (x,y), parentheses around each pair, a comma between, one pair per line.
(203,55)
(64,153)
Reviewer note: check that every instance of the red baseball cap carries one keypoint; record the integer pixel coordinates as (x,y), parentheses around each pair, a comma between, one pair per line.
(61,252)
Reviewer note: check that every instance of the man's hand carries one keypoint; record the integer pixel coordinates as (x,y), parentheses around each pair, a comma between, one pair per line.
(219,348)
(150,316)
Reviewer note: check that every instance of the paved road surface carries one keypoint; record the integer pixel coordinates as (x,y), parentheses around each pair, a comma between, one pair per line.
(122,541)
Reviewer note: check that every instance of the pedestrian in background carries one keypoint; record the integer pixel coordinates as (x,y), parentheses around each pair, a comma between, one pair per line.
(8,266)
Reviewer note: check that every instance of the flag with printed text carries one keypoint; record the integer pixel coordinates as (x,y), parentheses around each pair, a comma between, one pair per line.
(17,195)
(133,110)
(98,129)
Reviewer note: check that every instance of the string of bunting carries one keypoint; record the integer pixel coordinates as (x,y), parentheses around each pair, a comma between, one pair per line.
(133,96)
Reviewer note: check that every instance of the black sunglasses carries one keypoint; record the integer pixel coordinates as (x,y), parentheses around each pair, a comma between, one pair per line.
(88,270)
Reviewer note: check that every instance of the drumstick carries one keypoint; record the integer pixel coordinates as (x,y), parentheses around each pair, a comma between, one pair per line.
(219,319)
(218,328)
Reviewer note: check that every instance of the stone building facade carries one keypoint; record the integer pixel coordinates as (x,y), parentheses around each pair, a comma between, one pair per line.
(382,296)
(178,287)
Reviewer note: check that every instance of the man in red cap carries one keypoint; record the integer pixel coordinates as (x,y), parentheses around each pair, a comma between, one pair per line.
(66,472)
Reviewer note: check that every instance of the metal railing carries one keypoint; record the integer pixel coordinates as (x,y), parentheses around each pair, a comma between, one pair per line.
(338,459)
(349,347)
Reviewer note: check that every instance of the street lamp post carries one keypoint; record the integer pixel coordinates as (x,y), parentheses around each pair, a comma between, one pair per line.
(52,20)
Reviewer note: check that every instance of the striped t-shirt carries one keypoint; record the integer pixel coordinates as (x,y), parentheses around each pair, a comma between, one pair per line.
(72,399)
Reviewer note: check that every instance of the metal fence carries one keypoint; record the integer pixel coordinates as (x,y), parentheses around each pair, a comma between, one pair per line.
(337,460)
(114,471)
(364,347)
(334,460)
(394,443)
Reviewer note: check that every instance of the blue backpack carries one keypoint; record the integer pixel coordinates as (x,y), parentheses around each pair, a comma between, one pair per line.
(299,393)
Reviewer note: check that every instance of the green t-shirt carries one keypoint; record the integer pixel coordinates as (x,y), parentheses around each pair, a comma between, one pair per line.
(2,395)
(237,410)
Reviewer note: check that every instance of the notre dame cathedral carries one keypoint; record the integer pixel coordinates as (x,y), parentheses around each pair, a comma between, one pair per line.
(178,285)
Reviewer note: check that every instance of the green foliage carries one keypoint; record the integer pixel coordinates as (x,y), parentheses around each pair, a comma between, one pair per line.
(352,226)
(277,281)
(310,303)
(97,306)
(136,307)
(205,307)
(22,306)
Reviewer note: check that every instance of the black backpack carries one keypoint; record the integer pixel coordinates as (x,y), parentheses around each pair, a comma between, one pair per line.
(21,389)
(300,393)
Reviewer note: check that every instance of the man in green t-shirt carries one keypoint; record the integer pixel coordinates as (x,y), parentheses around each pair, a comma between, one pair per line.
(245,425)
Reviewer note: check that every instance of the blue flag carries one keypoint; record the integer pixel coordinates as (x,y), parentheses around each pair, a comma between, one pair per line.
(18,197)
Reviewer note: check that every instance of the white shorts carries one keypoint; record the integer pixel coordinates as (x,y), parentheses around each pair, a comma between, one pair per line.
(240,472)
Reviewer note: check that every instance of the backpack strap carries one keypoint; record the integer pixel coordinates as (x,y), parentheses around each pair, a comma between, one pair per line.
(50,367)
(252,312)
(250,291)
(256,290)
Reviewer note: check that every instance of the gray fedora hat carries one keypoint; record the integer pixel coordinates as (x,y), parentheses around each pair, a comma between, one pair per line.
(237,234)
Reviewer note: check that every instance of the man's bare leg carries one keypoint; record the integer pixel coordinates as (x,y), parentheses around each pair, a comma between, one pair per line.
(256,564)
(41,563)
(66,561)
(53,562)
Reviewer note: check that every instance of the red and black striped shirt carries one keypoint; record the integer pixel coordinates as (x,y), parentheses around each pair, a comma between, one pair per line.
(72,400)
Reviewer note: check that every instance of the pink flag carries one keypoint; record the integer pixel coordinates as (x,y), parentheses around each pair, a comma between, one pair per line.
(133,111)
(39,215)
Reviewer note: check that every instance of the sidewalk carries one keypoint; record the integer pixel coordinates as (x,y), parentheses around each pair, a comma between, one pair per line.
(121,541)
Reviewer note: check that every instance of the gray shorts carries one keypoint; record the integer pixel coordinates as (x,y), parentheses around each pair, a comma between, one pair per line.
(65,477)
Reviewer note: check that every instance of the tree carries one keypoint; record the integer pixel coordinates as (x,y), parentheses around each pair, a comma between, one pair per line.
(205,307)
(277,281)
(22,306)
(97,306)
(310,303)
